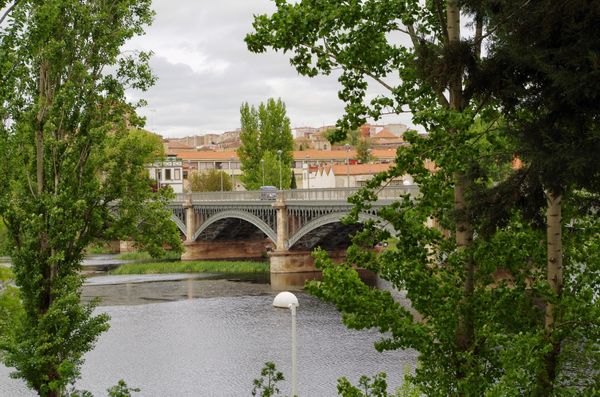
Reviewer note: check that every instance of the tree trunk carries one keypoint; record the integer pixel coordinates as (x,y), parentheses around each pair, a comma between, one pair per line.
(554,273)
(464,231)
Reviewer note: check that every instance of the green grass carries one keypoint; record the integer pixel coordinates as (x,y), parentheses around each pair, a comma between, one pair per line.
(144,256)
(192,267)
(98,249)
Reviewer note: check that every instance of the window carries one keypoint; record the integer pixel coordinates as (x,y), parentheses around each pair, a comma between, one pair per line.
(167,174)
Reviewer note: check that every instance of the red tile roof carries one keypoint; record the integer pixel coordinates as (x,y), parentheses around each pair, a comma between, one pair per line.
(299,155)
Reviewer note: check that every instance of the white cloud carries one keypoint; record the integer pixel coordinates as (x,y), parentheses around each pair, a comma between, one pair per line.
(206,72)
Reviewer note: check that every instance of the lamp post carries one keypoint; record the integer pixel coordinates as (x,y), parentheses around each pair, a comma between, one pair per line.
(221,173)
(262,163)
(287,300)
(347,146)
(231,172)
(280,179)
(307,172)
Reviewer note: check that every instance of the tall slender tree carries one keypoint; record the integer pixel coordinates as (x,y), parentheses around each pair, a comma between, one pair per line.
(72,170)
(265,130)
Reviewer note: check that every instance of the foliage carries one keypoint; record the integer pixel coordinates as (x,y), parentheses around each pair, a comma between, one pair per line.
(73,170)
(265,131)
(352,136)
(4,242)
(363,152)
(266,385)
(192,267)
(293,184)
(478,283)
(546,71)
(362,41)
(11,309)
(152,144)
(119,390)
(548,67)
(210,181)
(376,387)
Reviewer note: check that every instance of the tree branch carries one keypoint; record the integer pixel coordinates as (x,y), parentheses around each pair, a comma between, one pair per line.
(8,11)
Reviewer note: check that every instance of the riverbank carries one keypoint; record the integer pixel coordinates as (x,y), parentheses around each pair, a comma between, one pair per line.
(191,267)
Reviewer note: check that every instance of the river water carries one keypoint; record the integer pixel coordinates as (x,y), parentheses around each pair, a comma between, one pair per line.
(181,335)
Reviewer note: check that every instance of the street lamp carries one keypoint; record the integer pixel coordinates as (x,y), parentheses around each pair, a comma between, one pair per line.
(280,180)
(307,172)
(231,172)
(262,162)
(287,300)
(221,173)
(347,146)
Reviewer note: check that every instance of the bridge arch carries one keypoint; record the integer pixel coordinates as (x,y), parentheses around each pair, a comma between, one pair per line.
(334,217)
(246,216)
(180,224)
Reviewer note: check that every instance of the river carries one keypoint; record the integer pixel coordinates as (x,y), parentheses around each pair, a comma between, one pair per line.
(211,335)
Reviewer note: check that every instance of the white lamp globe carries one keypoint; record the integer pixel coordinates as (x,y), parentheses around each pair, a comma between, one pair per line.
(285,300)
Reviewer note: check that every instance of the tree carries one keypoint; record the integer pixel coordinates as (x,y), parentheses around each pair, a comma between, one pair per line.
(265,130)
(547,69)
(293,184)
(477,282)
(352,136)
(363,150)
(436,72)
(73,170)
(210,181)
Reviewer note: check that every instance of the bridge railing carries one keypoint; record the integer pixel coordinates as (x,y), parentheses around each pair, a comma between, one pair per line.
(386,193)
(339,194)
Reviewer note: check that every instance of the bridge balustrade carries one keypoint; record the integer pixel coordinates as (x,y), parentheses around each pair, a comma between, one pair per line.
(329,194)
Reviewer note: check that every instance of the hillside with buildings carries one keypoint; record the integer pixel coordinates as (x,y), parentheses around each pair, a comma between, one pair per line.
(317,162)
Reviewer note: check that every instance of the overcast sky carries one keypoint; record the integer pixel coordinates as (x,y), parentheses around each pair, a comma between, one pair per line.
(205,71)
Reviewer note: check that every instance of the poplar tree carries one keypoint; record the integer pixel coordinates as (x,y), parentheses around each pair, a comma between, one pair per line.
(265,131)
(72,170)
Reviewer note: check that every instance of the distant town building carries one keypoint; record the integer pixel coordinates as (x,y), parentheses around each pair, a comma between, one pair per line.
(168,172)
(342,175)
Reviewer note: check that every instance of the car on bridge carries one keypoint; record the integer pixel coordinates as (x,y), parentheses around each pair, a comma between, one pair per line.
(268,192)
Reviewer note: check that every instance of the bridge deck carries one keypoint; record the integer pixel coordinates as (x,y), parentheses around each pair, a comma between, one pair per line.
(312,196)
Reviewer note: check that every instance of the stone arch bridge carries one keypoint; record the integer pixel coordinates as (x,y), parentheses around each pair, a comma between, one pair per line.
(230,225)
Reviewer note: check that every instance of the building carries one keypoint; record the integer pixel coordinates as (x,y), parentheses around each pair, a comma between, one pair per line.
(228,161)
(345,175)
(167,172)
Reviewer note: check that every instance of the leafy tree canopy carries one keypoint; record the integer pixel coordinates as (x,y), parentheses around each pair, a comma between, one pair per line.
(210,181)
(479,281)
(72,170)
(265,131)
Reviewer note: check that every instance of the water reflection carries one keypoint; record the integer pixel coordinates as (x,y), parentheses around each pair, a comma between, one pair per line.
(216,345)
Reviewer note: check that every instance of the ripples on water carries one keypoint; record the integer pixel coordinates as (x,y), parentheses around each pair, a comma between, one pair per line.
(217,346)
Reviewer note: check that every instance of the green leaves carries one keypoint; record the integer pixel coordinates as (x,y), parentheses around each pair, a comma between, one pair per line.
(265,131)
(74,171)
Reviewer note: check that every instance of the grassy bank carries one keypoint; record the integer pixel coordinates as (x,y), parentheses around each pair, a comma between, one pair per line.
(144,256)
(192,267)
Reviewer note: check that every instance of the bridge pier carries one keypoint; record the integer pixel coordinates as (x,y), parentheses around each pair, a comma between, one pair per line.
(299,261)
